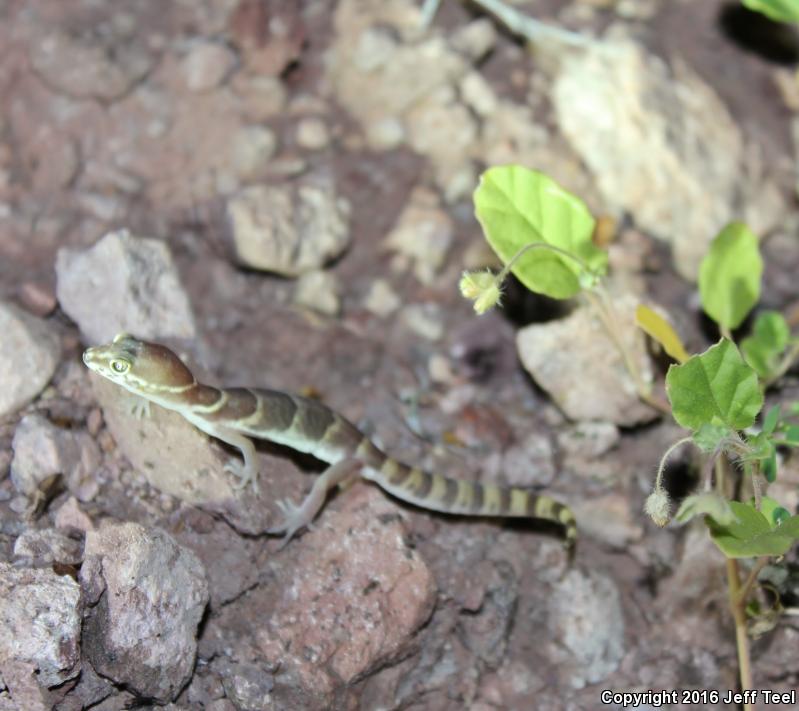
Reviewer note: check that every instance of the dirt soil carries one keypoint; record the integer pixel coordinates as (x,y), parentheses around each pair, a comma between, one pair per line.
(127,115)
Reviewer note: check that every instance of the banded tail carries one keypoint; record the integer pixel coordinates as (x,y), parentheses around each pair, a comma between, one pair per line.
(456,496)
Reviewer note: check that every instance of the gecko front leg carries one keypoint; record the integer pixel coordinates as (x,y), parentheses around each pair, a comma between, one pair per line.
(246,472)
(295,517)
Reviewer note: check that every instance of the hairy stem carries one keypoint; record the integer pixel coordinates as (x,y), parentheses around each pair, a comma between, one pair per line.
(737,601)
(737,607)
(607,314)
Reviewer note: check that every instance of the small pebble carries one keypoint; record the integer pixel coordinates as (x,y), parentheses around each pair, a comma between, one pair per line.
(312,134)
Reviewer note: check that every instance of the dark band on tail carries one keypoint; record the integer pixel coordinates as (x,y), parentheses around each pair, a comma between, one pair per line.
(457,496)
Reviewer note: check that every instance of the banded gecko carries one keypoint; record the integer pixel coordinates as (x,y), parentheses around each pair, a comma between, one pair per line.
(235,415)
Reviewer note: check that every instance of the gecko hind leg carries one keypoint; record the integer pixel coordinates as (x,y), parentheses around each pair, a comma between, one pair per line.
(295,517)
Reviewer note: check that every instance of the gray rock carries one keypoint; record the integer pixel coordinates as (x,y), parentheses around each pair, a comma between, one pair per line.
(29,354)
(41,450)
(123,283)
(531,462)
(422,235)
(381,299)
(90,64)
(577,363)
(589,440)
(608,519)
(252,147)
(289,229)
(585,616)
(312,134)
(146,596)
(319,290)
(249,686)
(47,546)
(657,123)
(207,65)
(41,614)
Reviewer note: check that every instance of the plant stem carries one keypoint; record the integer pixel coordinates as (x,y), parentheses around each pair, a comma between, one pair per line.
(737,601)
(746,588)
(607,315)
(785,364)
(531,29)
(741,637)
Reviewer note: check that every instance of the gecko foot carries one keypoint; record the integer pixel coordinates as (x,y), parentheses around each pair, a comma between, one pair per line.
(294,518)
(243,474)
(140,408)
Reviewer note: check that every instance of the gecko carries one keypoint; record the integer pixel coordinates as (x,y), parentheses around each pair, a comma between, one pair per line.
(238,415)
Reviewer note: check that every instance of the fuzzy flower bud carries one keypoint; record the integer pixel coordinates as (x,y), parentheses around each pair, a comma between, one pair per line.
(658,506)
(483,288)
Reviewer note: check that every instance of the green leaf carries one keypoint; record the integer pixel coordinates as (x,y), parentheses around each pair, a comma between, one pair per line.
(709,503)
(777,10)
(708,437)
(760,446)
(770,466)
(752,534)
(769,339)
(791,435)
(773,512)
(771,419)
(729,276)
(517,206)
(716,387)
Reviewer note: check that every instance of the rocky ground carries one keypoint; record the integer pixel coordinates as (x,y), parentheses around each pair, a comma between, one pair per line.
(281,191)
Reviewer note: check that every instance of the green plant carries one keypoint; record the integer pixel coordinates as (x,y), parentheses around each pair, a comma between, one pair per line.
(778,10)
(543,234)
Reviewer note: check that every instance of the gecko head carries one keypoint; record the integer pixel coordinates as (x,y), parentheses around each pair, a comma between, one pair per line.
(143,368)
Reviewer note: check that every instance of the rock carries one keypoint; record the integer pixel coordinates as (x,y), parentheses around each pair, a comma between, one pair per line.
(261,97)
(358,593)
(38,298)
(443,129)
(424,320)
(589,440)
(179,460)
(42,450)
(656,123)
(29,354)
(20,679)
(70,517)
(586,617)
(318,290)
(608,519)
(476,39)
(422,234)
(41,614)
(47,546)
(230,560)
(385,134)
(531,462)
(478,94)
(252,148)
(89,64)
(312,134)
(207,65)
(248,686)
(577,363)
(145,596)
(123,283)
(381,299)
(289,230)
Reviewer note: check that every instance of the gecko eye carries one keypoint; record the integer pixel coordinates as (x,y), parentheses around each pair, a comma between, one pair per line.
(120,366)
